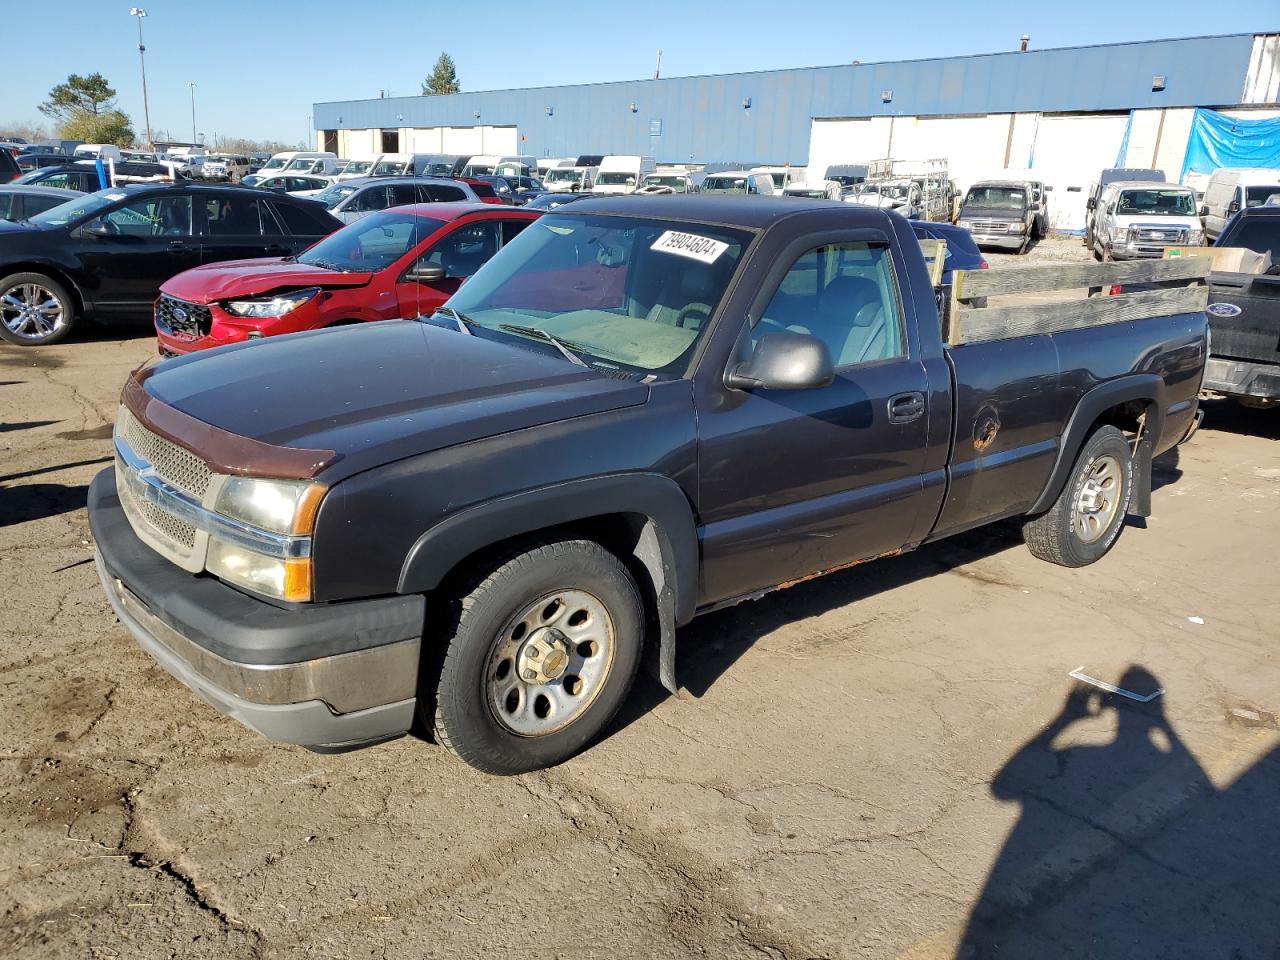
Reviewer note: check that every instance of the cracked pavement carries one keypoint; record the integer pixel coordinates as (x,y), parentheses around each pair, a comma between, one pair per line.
(887,762)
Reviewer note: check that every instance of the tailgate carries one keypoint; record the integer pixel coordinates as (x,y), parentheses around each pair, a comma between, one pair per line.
(1251,331)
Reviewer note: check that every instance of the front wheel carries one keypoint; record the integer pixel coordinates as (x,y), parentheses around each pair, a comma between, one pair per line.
(1089,513)
(34,310)
(540,657)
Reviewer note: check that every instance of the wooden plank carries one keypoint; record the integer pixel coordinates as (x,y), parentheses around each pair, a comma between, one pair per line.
(1226,259)
(974,324)
(1068,276)
(935,256)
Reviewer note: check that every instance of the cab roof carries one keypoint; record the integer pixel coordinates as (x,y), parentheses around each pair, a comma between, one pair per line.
(740,210)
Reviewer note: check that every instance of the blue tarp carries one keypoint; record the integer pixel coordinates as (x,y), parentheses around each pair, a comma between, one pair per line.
(1217,140)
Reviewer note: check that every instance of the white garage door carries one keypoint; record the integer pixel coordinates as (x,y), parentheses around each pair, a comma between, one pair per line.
(1068,155)
(833,142)
(973,147)
(501,141)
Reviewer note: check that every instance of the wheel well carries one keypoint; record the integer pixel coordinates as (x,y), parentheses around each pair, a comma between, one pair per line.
(1124,416)
(345,322)
(54,274)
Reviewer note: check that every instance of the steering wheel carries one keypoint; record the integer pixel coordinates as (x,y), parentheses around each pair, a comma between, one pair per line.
(691,308)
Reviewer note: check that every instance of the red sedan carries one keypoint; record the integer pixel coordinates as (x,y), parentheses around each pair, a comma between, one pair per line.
(400,262)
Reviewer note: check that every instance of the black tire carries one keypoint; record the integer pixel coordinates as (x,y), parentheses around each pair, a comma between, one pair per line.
(1055,535)
(464,720)
(12,324)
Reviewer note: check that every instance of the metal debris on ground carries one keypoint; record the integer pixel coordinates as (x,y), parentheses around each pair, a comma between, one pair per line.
(1079,674)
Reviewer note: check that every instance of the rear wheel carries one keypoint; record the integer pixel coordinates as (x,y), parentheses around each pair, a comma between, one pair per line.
(541,655)
(34,310)
(1089,513)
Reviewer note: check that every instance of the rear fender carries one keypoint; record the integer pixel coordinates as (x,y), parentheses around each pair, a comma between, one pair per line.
(1141,387)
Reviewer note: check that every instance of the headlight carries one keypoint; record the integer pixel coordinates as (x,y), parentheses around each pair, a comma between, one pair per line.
(1120,235)
(281,506)
(276,306)
(1017,228)
(1195,238)
(257,561)
(967,224)
(285,579)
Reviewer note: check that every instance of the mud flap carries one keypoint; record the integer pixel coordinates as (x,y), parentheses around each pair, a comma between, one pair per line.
(1140,503)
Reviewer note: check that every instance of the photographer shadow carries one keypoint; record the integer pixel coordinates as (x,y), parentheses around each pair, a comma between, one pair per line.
(1126,849)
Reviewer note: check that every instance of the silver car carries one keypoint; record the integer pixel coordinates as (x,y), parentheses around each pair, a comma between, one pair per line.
(349,200)
(21,202)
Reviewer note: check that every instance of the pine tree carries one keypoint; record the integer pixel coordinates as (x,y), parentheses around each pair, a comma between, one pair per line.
(443,79)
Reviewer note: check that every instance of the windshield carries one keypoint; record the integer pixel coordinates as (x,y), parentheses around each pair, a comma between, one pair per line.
(391,168)
(301,163)
(478,170)
(623,179)
(332,196)
(724,185)
(779,180)
(674,182)
(807,194)
(563,175)
(1157,203)
(357,166)
(894,191)
(1257,196)
(79,208)
(629,294)
(996,198)
(275,163)
(372,243)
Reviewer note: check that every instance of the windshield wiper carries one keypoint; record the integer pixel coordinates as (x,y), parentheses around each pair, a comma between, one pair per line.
(324,265)
(561,345)
(463,322)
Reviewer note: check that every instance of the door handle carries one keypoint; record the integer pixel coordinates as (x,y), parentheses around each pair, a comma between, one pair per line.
(178,245)
(906,407)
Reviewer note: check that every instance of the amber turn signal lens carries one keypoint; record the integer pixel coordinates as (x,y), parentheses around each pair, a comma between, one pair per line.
(297,580)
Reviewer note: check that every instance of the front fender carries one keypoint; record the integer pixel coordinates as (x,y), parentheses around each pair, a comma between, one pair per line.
(667,544)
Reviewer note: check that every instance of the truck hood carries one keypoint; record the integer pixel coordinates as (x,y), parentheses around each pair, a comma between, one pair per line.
(380,392)
(246,278)
(877,200)
(1001,214)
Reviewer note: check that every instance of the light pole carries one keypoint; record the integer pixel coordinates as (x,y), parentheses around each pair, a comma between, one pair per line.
(142,59)
(192,85)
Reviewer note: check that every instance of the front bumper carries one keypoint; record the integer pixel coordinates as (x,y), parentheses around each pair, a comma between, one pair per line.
(1243,378)
(1142,250)
(1011,241)
(327,676)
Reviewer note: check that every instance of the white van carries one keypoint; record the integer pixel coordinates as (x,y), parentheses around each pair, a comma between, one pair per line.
(570,179)
(1135,219)
(481,165)
(622,173)
(739,181)
(95,151)
(282,161)
(783,177)
(1230,189)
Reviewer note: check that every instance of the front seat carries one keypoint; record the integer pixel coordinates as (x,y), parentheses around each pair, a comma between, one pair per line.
(684,299)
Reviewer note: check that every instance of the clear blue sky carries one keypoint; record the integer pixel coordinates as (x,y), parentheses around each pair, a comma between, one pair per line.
(260,65)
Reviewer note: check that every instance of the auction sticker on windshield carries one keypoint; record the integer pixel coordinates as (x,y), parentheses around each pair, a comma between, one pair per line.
(690,245)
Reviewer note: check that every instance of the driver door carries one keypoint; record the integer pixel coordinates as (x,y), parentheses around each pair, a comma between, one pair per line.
(151,240)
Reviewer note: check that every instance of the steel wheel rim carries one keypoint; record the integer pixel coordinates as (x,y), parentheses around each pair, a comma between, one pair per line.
(550,662)
(32,311)
(1098,500)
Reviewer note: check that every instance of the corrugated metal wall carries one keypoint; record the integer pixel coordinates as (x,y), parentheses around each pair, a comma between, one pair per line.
(708,118)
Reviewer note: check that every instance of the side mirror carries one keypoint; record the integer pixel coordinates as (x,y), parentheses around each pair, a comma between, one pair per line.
(784,361)
(425,273)
(1091,203)
(1204,210)
(1234,207)
(98,229)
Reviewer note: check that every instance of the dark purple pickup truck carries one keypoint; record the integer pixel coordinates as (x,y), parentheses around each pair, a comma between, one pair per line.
(640,410)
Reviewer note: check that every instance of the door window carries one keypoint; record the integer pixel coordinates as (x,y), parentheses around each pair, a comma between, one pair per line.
(375,198)
(165,216)
(303,219)
(234,216)
(440,193)
(512,228)
(7,203)
(402,193)
(845,294)
(466,250)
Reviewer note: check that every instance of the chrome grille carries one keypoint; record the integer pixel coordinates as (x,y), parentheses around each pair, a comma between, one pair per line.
(177,532)
(1156,234)
(172,463)
(990,226)
(182,317)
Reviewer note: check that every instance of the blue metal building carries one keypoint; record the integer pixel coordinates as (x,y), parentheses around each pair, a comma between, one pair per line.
(769,115)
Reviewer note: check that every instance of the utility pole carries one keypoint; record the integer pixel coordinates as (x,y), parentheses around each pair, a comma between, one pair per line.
(192,85)
(657,70)
(142,59)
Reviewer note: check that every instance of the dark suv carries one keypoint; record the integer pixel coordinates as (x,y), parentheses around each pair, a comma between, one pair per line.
(102,257)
